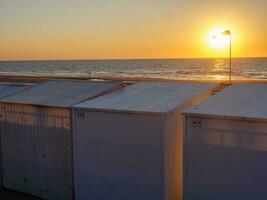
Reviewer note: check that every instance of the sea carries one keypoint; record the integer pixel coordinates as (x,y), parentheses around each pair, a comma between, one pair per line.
(180,69)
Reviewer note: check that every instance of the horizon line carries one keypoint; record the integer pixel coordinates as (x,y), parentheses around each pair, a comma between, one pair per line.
(117,59)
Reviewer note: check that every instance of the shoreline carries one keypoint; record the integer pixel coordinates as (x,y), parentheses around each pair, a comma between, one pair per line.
(11,78)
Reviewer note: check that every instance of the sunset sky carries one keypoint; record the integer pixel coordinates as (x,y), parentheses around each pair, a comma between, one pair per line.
(111,29)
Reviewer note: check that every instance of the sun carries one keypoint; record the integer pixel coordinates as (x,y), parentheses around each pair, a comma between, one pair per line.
(218,40)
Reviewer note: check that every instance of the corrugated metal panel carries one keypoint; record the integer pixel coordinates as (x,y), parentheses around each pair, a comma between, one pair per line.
(37,151)
(5,90)
(61,93)
(151,97)
(245,101)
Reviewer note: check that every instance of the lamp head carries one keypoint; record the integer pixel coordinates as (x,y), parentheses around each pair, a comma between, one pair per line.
(220,39)
(226,32)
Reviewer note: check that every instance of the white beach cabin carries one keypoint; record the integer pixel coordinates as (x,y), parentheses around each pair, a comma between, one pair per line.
(128,144)
(225,154)
(36,136)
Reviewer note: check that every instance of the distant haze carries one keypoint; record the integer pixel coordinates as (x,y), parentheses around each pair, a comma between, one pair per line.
(110,29)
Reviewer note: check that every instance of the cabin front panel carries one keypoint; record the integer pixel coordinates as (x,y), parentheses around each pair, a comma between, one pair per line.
(118,155)
(225,159)
(36,145)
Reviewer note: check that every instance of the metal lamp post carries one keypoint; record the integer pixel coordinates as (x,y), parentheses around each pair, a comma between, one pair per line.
(228,33)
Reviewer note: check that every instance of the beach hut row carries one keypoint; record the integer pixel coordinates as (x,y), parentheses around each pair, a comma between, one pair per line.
(37,136)
(99,140)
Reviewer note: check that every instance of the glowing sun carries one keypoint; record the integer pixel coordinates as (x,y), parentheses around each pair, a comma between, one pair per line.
(217,39)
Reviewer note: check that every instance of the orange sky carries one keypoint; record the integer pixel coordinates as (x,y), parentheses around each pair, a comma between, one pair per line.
(104,29)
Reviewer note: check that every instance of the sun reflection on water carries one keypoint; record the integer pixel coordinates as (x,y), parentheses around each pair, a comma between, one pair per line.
(219,69)
(218,77)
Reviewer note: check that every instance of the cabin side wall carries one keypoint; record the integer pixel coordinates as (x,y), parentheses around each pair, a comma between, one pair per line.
(225,159)
(174,143)
(173,156)
(36,150)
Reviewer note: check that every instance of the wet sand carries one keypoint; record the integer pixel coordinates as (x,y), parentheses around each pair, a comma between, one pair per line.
(124,79)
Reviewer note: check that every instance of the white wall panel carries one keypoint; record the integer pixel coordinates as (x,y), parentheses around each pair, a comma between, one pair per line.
(225,159)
